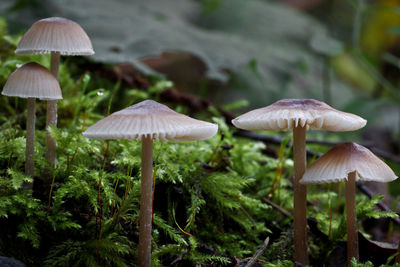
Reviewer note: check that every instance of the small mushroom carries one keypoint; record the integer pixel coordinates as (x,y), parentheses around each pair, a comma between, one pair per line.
(298,115)
(348,162)
(55,36)
(148,121)
(32,81)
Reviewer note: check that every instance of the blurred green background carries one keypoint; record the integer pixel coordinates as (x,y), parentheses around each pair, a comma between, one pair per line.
(341,52)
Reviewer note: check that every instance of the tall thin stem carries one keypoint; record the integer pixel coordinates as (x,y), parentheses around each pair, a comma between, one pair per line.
(146,191)
(54,63)
(357,23)
(30,138)
(51,116)
(351,218)
(300,195)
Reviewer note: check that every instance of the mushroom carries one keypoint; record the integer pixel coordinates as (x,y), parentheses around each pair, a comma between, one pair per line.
(348,162)
(148,121)
(32,81)
(57,36)
(298,115)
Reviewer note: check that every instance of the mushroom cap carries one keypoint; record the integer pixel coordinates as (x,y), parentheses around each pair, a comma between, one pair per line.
(55,35)
(289,113)
(337,163)
(32,80)
(149,118)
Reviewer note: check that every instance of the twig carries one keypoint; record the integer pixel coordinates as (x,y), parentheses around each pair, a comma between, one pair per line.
(193,102)
(258,253)
(270,139)
(384,154)
(333,143)
(258,137)
(180,257)
(277,207)
(277,140)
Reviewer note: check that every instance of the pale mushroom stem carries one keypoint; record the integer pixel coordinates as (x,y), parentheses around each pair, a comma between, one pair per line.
(51,116)
(30,138)
(300,195)
(351,218)
(146,191)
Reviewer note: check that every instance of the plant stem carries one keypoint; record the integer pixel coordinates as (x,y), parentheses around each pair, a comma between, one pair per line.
(357,23)
(51,191)
(146,191)
(351,218)
(51,117)
(326,81)
(300,195)
(329,211)
(30,138)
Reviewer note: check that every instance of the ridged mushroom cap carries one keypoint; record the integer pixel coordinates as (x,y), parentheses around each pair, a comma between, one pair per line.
(55,35)
(337,163)
(32,80)
(149,118)
(289,113)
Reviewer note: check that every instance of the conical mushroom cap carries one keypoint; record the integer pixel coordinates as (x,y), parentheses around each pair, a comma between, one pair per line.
(32,80)
(55,35)
(149,118)
(337,163)
(289,113)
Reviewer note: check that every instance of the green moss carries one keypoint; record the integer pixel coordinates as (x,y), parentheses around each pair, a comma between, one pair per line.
(209,206)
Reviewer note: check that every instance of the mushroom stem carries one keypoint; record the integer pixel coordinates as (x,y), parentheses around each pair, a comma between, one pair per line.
(300,195)
(51,116)
(351,218)
(30,138)
(146,190)
(54,63)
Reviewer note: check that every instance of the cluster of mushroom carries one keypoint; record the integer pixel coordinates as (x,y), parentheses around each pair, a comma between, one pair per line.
(148,121)
(348,161)
(57,36)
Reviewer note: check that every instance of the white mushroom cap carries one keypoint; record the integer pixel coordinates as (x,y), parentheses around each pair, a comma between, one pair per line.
(55,35)
(337,163)
(32,80)
(149,118)
(289,113)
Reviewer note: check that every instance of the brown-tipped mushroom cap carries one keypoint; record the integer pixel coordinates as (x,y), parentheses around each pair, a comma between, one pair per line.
(343,159)
(289,113)
(55,35)
(32,81)
(149,118)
